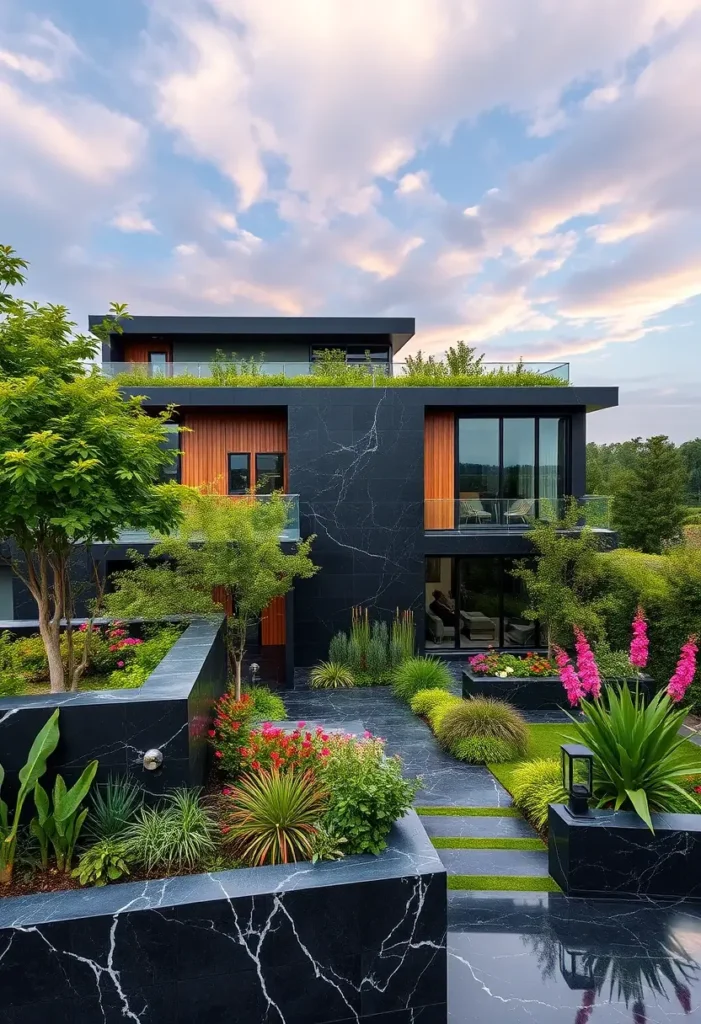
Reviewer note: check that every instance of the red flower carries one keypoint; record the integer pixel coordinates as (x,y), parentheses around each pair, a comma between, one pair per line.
(218,753)
(325,752)
(255,764)
(211,733)
(226,791)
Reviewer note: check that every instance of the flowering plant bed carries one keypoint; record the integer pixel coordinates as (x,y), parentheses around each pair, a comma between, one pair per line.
(496,663)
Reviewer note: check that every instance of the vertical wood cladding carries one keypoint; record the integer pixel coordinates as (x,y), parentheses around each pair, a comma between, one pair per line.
(439,469)
(137,351)
(273,623)
(211,436)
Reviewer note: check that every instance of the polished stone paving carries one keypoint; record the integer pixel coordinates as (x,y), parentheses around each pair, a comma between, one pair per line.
(519,957)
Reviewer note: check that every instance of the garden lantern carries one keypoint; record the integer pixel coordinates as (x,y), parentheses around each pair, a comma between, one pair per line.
(255,669)
(575,968)
(577,776)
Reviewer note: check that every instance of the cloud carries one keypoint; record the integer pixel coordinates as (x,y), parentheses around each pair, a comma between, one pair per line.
(131,220)
(41,51)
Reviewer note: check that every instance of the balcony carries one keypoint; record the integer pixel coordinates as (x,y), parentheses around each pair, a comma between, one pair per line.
(291,531)
(508,515)
(276,374)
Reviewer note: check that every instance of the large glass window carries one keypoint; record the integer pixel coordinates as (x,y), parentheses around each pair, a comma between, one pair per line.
(270,473)
(552,448)
(239,472)
(171,443)
(159,363)
(518,459)
(474,602)
(478,458)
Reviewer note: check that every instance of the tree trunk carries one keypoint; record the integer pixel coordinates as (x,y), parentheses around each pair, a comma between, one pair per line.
(48,594)
(238,677)
(51,635)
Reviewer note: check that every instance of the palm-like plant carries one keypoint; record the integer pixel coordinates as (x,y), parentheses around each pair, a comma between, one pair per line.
(638,751)
(272,816)
(331,675)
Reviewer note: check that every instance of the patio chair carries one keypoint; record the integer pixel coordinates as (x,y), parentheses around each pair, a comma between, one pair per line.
(472,509)
(520,508)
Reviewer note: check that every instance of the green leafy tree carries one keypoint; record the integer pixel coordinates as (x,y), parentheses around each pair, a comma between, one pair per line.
(226,556)
(77,461)
(649,502)
(690,452)
(461,359)
(563,581)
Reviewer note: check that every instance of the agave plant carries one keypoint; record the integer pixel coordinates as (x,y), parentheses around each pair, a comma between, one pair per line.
(639,754)
(272,816)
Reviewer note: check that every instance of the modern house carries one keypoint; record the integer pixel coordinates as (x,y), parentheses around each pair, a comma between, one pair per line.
(420,497)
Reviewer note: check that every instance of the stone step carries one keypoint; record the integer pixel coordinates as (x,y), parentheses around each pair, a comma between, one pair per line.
(477,827)
(495,862)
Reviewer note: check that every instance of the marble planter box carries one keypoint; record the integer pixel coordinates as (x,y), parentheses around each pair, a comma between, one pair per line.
(529,693)
(611,853)
(170,712)
(362,939)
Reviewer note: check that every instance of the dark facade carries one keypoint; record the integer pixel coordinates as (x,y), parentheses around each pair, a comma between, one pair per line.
(397,507)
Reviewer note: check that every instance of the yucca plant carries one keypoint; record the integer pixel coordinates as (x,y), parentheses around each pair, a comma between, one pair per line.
(482,717)
(416,674)
(535,785)
(329,675)
(639,756)
(113,806)
(271,816)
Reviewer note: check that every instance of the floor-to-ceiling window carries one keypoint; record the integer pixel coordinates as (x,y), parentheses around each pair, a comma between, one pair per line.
(473,602)
(505,464)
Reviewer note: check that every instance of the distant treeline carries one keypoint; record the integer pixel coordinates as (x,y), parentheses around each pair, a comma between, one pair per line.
(608,463)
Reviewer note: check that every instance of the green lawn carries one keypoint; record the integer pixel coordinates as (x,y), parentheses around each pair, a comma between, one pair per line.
(546,740)
(480,843)
(503,883)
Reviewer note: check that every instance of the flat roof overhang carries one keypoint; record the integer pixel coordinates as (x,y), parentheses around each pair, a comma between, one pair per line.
(399,330)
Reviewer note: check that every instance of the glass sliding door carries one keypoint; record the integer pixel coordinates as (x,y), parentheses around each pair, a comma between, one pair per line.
(480,602)
(478,470)
(518,630)
(440,613)
(553,436)
(518,471)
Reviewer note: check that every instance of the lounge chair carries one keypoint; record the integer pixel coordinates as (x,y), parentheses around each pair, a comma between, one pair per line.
(472,509)
(520,508)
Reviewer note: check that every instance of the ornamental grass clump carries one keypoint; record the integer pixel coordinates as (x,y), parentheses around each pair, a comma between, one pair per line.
(177,835)
(483,718)
(419,674)
(271,816)
(436,714)
(483,750)
(331,675)
(535,785)
(424,701)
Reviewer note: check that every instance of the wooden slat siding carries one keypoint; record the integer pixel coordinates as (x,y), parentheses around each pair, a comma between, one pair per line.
(273,623)
(439,469)
(137,351)
(212,435)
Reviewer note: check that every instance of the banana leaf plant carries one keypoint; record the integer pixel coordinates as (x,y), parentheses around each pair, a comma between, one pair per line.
(43,746)
(61,823)
(639,754)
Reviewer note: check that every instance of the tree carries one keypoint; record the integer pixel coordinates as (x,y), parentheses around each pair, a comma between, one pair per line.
(649,502)
(226,556)
(460,360)
(562,584)
(77,461)
(691,454)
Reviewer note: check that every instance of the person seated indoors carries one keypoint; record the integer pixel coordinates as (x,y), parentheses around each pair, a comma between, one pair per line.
(442,608)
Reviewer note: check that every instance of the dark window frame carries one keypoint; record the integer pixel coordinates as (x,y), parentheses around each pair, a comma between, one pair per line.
(178,464)
(247,457)
(277,455)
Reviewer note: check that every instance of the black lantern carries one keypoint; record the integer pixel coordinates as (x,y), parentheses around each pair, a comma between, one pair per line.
(575,968)
(577,776)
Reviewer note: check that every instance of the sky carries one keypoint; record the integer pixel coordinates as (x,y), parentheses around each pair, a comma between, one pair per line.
(524,175)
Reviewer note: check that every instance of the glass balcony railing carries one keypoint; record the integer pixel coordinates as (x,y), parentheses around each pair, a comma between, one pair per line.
(508,514)
(227,372)
(291,531)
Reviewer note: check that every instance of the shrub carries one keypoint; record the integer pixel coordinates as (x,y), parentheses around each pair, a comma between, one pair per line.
(438,711)
(113,806)
(534,785)
(270,817)
(377,657)
(419,674)
(232,720)
(367,793)
(639,755)
(612,664)
(326,844)
(483,750)
(329,675)
(484,718)
(177,835)
(423,701)
(273,747)
(267,706)
(144,657)
(106,861)
(338,649)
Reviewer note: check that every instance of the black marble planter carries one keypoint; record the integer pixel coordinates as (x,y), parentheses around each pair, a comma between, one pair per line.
(363,939)
(531,693)
(170,712)
(609,853)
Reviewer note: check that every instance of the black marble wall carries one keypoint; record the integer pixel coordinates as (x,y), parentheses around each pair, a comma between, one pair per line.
(363,939)
(615,854)
(170,712)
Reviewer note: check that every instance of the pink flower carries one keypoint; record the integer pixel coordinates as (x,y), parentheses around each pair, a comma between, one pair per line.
(301,725)
(685,670)
(226,791)
(569,678)
(367,735)
(325,752)
(639,645)
(587,1007)
(587,668)
(120,664)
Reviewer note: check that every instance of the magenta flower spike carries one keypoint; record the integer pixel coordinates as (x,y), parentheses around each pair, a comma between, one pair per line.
(639,645)
(568,677)
(685,670)
(586,666)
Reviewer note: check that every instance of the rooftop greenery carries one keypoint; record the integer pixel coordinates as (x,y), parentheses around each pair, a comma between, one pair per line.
(461,368)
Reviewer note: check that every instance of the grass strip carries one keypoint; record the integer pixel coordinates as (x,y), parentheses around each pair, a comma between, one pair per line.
(470,812)
(503,883)
(480,843)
